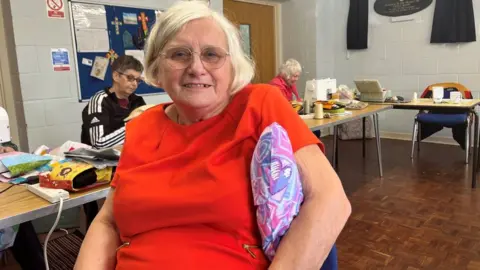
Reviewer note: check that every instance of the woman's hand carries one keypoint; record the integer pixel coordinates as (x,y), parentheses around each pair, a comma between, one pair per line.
(6,149)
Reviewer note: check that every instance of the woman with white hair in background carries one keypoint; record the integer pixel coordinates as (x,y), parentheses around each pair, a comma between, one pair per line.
(181,196)
(287,78)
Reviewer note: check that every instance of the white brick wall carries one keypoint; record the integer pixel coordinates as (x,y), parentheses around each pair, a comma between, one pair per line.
(300,37)
(52,111)
(401,57)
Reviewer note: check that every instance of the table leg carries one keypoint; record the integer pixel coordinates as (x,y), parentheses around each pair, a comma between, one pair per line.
(379,147)
(363,131)
(335,148)
(336,151)
(475,150)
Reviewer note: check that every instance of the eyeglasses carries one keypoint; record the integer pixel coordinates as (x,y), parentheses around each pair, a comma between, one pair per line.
(131,78)
(181,58)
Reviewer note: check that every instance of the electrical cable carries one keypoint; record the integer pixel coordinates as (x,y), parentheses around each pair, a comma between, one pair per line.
(50,233)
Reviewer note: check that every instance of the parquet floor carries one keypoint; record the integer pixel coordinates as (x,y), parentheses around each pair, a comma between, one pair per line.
(421,215)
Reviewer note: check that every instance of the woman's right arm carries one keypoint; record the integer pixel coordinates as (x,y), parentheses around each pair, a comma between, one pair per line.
(98,250)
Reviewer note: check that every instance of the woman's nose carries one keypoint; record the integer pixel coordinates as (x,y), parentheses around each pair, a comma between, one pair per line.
(197,65)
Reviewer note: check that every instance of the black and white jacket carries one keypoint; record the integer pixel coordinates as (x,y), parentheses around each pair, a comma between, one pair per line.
(103,119)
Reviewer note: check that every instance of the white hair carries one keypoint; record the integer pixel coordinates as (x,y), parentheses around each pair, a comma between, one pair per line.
(290,67)
(171,22)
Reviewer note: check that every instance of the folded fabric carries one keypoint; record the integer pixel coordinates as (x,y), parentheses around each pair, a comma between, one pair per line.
(276,186)
(23,163)
(43,169)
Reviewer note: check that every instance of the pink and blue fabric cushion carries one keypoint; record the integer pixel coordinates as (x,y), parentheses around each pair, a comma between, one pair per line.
(277,190)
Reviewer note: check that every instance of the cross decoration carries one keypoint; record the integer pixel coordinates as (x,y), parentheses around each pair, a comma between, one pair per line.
(117,24)
(111,55)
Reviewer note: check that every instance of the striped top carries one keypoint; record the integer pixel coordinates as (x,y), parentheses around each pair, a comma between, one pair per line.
(103,119)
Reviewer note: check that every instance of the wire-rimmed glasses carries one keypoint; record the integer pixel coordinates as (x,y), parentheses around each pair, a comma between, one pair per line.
(182,57)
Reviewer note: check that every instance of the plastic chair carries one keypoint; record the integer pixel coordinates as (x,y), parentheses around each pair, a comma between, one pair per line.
(436,120)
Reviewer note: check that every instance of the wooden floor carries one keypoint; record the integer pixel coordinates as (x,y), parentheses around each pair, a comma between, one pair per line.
(421,215)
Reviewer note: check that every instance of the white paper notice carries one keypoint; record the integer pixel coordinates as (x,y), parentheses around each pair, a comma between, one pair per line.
(89,16)
(87,62)
(92,40)
(139,55)
(99,68)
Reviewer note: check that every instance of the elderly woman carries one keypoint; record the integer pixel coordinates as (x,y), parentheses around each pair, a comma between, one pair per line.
(181,197)
(287,78)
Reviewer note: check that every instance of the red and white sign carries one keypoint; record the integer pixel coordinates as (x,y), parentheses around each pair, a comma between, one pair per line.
(55,9)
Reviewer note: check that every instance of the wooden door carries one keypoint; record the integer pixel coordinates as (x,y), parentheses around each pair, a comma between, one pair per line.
(260,21)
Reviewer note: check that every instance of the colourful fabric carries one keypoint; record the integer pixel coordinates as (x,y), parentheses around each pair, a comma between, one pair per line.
(287,90)
(276,185)
(183,196)
(21,163)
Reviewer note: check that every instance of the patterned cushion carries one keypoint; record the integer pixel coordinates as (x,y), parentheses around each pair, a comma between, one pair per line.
(276,185)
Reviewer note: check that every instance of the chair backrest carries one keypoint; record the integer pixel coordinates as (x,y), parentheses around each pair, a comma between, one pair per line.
(447,88)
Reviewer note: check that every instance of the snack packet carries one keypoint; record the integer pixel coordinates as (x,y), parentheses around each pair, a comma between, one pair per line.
(75,176)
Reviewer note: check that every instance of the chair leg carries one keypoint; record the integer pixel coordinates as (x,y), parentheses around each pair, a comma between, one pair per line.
(414,136)
(419,135)
(467,141)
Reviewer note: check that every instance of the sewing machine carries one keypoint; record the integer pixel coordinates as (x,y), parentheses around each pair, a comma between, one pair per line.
(320,89)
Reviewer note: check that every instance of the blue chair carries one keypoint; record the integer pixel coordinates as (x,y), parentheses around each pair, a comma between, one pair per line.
(428,123)
(331,263)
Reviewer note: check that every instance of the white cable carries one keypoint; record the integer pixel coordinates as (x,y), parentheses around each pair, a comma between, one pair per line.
(50,233)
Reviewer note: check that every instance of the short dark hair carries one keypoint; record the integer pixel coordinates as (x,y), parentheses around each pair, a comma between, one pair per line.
(126,62)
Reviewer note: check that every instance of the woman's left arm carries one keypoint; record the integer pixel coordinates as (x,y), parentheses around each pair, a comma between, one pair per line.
(321,218)
(295,92)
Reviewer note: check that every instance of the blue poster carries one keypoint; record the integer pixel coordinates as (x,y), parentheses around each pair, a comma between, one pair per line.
(60,60)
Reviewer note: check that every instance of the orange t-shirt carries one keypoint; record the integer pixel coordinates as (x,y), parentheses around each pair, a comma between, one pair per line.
(183,197)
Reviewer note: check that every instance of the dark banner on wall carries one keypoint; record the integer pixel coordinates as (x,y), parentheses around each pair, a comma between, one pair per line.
(357,25)
(395,8)
(453,21)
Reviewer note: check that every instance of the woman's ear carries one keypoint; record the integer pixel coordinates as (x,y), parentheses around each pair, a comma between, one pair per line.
(116,76)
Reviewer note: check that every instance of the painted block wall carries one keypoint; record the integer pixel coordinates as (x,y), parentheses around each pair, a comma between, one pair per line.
(50,99)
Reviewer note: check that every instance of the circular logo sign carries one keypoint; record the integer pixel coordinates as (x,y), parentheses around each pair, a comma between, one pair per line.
(395,8)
